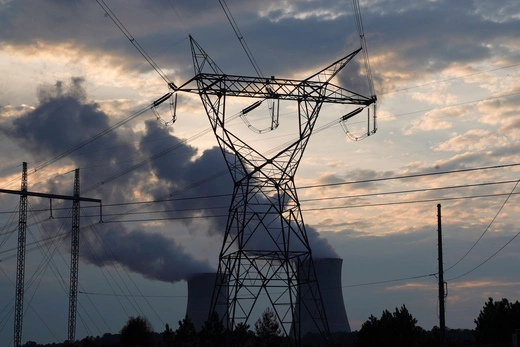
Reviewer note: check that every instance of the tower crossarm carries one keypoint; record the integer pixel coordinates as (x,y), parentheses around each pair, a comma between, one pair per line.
(273,88)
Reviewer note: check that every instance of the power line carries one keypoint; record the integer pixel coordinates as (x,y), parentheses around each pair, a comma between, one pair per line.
(449,79)
(178,17)
(409,176)
(311,199)
(489,225)
(134,42)
(345,286)
(137,296)
(313,186)
(408,191)
(240,37)
(105,246)
(485,261)
(387,281)
(407,202)
(313,209)
(457,104)
(308,200)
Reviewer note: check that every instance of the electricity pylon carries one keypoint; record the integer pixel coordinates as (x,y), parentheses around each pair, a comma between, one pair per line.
(20,269)
(265,248)
(74,260)
(20,260)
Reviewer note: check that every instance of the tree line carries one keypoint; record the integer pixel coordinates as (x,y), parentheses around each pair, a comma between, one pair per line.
(495,326)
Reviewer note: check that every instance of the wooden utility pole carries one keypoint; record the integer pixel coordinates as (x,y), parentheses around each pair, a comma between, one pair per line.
(442,294)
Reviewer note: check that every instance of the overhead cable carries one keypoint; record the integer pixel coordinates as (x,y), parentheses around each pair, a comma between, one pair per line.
(487,259)
(487,228)
(449,79)
(134,42)
(240,37)
(409,176)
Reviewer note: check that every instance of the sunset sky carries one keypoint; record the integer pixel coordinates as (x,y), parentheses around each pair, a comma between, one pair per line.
(446,74)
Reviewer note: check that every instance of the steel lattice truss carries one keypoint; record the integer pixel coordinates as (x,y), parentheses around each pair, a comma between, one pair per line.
(265,248)
(20,270)
(74,260)
(20,267)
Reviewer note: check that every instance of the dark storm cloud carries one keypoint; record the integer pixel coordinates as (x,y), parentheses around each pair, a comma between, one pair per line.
(425,37)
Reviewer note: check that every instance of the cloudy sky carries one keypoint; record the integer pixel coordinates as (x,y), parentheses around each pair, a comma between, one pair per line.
(75,93)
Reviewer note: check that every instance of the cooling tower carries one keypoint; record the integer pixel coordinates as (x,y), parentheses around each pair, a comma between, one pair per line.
(200,291)
(328,274)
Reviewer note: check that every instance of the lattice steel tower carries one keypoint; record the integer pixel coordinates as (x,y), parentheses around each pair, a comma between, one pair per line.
(265,243)
(22,231)
(74,260)
(20,267)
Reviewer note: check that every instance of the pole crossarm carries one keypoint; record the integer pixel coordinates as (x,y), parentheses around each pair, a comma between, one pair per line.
(20,273)
(273,88)
(50,196)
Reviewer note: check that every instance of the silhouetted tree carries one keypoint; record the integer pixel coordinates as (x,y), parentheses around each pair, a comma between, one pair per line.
(137,332)
(168,336)
(397,329)
(241,335)
(88,341)
(212,332)
(267,330)
(497,322)
(186,334)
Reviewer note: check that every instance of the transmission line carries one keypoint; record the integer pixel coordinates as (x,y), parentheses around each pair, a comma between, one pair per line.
(240,37)
(134,42)
(330,198)
(487,228)
(457,104)
(318,199)
(449,79)
(313,209)
(409,176)
(104,247)
(111,257)
(487,259)
(387,281)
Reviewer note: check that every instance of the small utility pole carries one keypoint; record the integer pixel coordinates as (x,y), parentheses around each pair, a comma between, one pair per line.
(442,295)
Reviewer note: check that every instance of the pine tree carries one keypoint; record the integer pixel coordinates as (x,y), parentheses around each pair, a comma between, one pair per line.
(186,335)
(497,321)
(212,333)
(267,330)
(137,332)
